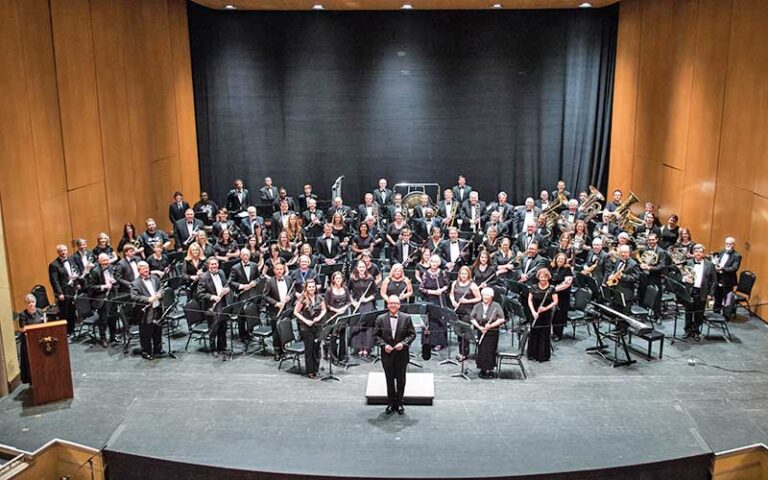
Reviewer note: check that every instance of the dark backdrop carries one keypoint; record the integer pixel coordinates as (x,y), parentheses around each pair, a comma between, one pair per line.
(512,99)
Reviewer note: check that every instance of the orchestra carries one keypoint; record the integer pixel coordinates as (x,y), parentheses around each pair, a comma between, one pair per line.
(443,248)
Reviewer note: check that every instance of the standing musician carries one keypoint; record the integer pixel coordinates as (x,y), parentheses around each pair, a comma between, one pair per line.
(448,209)
(464,295)
(206,206)
(145,292)
(99,283)
(364,241)
(383,195)
(126,271)
(524,240)
(504,258)
(531,264)
(461,191)
(652,271)
(280,218)
(304,198)
(396,283)
(648,227)
(103,245)
(185,229)
(455,251)
(362,287)
(495,221)
(309,311)
(434,284)
(267,193)
(542,299)
(544,232)
(472,211)
(243,278)
(328,246)
(212,291)
(702,283)
(338,301)
(153,235)
(526,216)
(727,262)
(426,225)
(562,279)
(82,257)
(252,224)
(303,274)
(194,266)
(314,220)
(597,262)
(394,333)
(222,223)
(487,317)
(606,228)
(277,295)
(367,209)
(404,251)
(483,271)
(669,233)
(63,275)
(623,277)
(226,247)
(505,209)
(282,196)
(568,217)
(237,198)
(177,208)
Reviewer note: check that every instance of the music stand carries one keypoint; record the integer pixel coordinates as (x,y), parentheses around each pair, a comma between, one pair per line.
(324,332)
(369,318)
(587,281)
(682,295)
(414,309)
(465,329)
(447,316)
(203,217)
(352,320)
(230,311)
(517,287)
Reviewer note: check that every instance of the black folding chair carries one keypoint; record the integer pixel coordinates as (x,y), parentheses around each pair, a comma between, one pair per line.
(515,357)
(293,349)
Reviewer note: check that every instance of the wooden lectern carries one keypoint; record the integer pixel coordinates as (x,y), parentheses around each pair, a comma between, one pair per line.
(49,367)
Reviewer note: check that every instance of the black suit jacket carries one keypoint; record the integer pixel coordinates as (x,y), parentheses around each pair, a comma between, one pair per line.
(140,295)
(234,205)
(727,277)
(303,201)
(321,247)
(175,213)
(180,233)
(59,278)
(466,212)
(629,278)
(384,198)
(404,333)
(264,194)
(445,252)
(93,283)
(506,211)
(78,259)
(521,243)
(603,265)
(277,223)
(520,219)
(708,281)
(249,227)
(291,203)
(532,268)
(397,252)
(313,230)
(206,289)
(238,276)
(272,293)
(124,275)
(457,194)
(444,211)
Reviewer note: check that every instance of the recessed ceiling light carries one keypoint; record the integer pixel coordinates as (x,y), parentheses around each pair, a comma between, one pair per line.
(407,6)
(496,5)
(318,7)
(585,5)
(230,7)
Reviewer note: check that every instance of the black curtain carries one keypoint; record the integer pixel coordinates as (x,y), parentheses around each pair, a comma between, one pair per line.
(514,100)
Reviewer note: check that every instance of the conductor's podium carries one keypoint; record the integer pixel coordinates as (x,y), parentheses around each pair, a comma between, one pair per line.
(49,367)
(419,389)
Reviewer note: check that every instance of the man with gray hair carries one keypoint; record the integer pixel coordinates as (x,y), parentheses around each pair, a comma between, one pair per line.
(727,262)
(145,291)
(701,281)
(393,333)
(99,284)
(64,277)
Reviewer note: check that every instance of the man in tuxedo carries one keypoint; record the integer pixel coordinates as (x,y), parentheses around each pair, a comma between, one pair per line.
(99,284)
(702,284)
(343,210)
(313,219)
(280,218)
(305,197)
(278,297)
(500,205)
(393,333)
(424,226)
(207,207)
(461,190)
(223,223)
(382,195)
(404,251)
(543,231)
(153,235)
(524,240)
(494,220)
(727,263)
(83,257)
(526,216)
(251,224)
(397,207)
(606,226)
(472,211)
(328,246)
(569,216)
(448,209)
(597,262)
(628,271)
(650,273)
(177,208)
(530,265)
(212,290)
(268,193)
(126,271)
(419,211)
(243,279)
(366,209)
(185,230)
(64,277)
(282,196)
(237,198)
(543,202)
(455,251)
(146,294)
(611,207)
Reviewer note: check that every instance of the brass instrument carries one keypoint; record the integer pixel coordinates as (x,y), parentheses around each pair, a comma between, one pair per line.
(592,206)
(641,240)
(678,255)
(552,211)
(648,257)
(613,279)
(624,207)
(630,222)
(588,269)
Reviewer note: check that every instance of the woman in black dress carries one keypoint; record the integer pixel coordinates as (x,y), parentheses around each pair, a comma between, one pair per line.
(226,248)
(581,242)
(564,246)
(669,232)
(131,236)
(487,316)
(273,259)
(396,283)
(505,258)
(338,301)
(434,285)
(205,245)
(422,265)
(463,296)
(29,316)
(394,228)
(685,242)
(372,268)
(103,245)
(194,267)
(491,242)
(363,241)
(542,299)
(435,240)
(305,250)
(253,245)
(562,278)
(288,254)
(362,287)
(340,229)
(482,270)
(158,261)
(309,311)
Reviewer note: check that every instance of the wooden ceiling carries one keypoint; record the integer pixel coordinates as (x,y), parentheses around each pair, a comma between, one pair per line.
(397,4)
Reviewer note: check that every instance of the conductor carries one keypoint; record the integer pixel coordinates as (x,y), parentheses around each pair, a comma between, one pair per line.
(394,333)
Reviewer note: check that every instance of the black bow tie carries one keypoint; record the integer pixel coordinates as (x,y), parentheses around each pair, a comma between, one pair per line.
(246,265)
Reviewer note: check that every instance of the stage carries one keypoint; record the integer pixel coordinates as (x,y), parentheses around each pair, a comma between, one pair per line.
(572,414)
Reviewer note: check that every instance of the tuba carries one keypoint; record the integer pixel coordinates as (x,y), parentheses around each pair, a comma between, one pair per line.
(552,211)
(592,205)
(624,207)
(630,222)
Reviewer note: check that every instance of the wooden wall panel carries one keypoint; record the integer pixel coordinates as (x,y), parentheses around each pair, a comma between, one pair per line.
(759,251)
(670,199)
(732,216)
(185,102)
(57,229)
(92,201)
(78,101)
(109,31)
(625,94)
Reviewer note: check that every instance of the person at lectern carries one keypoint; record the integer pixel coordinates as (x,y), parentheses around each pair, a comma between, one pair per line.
(394,333)
(29,316)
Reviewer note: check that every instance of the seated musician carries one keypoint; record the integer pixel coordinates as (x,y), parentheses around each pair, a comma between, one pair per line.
(185,230)
(500,205)
(304,198)
(597,262)
(314,220)
(154,235)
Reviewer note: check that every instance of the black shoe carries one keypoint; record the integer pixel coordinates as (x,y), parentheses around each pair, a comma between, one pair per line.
(103,343)
(697,337)
(400,410)
(687,335)
(159,352)
(389,410)
(113,340)
(147,356)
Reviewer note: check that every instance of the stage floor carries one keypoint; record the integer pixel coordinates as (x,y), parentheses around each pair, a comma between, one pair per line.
(575,412)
